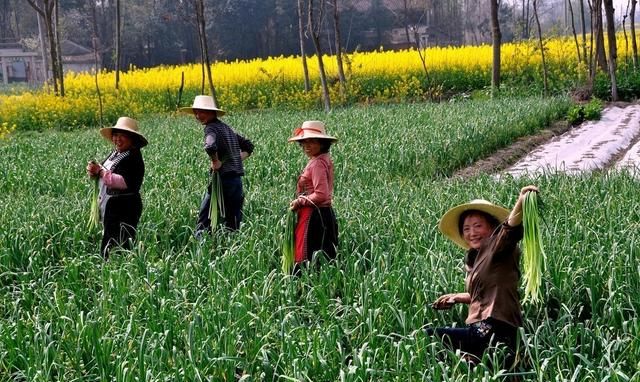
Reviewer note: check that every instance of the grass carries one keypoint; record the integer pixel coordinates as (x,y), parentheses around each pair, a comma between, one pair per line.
(172,309)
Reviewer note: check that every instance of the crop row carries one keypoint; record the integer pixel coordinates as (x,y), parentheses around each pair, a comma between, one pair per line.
(175,309)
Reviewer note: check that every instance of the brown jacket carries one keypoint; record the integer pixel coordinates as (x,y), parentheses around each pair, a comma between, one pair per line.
(493,276)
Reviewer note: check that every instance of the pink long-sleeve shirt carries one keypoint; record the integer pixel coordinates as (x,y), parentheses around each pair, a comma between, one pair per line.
(316,182)
(114,181)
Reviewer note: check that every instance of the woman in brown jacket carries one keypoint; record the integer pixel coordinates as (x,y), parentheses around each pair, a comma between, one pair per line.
(490,234)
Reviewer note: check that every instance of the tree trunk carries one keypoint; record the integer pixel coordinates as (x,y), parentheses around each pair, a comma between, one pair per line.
(47,15)
(336,28)
(202,32)
(624,31)
(406,22)
(303,56)
(56,19)
(634,45)
(422,52)
(584,32)
(573,30)
(118,41)
(601,58)
(43,49)
(94,18)
(314,30)
(497,40)
(613,49)
(544,62)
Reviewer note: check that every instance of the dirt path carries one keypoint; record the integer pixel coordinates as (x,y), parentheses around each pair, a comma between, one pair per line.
(611,142)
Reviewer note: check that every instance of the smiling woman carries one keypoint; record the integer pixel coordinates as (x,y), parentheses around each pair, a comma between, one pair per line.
(120,178)
(317,228)
(490,234)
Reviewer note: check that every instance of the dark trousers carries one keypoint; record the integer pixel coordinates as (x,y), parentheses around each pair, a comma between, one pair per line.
(233,197)
(119,232)
(476,338)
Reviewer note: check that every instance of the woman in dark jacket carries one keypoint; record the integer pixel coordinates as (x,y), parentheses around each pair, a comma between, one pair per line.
(490,235)
(120,178)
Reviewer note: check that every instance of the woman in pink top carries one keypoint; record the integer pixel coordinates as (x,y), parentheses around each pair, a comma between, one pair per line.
(317,228)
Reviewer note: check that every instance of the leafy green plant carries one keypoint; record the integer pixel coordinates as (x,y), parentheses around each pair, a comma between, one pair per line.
(589,111)
(173,308)
(533,259)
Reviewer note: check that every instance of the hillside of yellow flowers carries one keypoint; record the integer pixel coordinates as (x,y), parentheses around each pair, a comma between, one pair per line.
(381,76)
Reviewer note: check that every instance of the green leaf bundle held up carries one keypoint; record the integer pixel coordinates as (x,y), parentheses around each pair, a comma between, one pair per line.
(533,260)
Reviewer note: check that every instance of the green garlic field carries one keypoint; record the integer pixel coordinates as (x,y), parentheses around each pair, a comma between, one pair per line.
(174,309)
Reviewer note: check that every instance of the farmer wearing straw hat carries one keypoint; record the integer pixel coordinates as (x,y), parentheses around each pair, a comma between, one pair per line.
(317,227)
(226,150)
(120,178)
(490,235)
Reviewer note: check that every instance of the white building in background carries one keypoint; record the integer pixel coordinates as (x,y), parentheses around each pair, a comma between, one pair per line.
(20,66)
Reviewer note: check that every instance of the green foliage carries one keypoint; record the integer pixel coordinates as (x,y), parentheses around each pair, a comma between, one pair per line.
(94,210)
(593,109)
(176,309)
(628,80)
(288,242)
(589,111)
(533,259)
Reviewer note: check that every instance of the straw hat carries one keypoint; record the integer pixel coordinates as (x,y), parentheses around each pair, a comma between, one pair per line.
(125,124)
(450,220)
(203,102)
(311,129)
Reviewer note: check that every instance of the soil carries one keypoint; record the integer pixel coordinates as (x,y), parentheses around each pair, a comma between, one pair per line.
(504,158)
(508,156)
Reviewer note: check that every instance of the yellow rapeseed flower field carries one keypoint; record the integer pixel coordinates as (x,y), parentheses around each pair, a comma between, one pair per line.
(277,82)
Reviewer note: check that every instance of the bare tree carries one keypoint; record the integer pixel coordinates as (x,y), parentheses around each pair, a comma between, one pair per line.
(56,25)
(406,20)
(584,32)
(117,38)
(634,45)
(314,25)
(541,43)
(573,30)
(497,41)
(624,30)
(613,49)
(601,58)
(94,39)
(202,34)
(422,50)
(303,55)
(47,13)
(336,28)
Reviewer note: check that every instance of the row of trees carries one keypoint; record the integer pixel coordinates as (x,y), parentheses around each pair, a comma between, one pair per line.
(151,32)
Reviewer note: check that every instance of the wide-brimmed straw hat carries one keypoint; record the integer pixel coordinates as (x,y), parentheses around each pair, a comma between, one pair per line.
(311,129)
(127,124)
(449,223)
(203,102)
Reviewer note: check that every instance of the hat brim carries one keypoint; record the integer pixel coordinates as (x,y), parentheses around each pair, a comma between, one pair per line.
(107,132)
(312,136)
(449,222)
(189,110)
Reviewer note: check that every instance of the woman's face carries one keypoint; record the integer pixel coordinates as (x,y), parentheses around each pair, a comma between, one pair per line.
(204,116)
(311,147)
(475,229)
(122,141)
